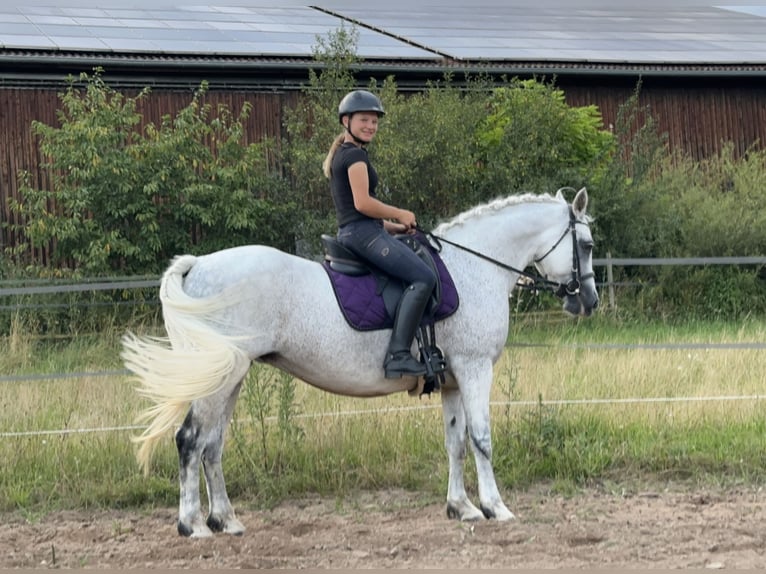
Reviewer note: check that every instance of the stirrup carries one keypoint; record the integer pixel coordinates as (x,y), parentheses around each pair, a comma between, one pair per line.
(433,358)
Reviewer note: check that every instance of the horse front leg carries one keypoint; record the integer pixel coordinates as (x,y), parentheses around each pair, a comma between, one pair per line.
(475,385)
(458,504)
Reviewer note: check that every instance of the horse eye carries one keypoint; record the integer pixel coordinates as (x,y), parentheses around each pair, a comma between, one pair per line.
(587,246)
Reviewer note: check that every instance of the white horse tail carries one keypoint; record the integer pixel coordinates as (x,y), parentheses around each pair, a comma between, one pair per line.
(193,362)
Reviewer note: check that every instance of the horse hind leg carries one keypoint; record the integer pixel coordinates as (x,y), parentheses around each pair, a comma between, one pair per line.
(221,517)
(190,521)
(199,441)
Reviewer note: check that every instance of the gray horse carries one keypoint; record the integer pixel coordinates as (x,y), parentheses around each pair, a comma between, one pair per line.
(254,303)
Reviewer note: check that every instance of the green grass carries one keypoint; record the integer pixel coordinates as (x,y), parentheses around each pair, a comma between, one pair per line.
(607,327)
(289,439)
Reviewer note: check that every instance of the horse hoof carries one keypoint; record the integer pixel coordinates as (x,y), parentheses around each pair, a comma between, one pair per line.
(464,511)
(234,527)
(498,512)
(227,525)
(192,531)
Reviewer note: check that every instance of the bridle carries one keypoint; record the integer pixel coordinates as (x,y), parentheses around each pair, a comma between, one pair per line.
(540,283)
(572,287)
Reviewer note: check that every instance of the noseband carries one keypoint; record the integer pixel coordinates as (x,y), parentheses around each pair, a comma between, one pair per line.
(561,290)
(572,287)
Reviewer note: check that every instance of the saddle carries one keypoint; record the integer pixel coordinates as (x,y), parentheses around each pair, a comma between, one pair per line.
(368,297)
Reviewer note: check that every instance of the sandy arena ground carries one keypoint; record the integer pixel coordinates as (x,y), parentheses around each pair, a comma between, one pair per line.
(654,528)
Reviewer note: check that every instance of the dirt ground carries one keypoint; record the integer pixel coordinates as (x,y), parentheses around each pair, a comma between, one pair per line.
(654,528)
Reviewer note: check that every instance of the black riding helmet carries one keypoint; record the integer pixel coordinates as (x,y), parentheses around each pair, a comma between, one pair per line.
(360,101)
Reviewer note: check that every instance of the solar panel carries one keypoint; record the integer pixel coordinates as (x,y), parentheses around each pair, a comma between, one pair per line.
(562,31)
(597,30)
(78,43)
(26,41)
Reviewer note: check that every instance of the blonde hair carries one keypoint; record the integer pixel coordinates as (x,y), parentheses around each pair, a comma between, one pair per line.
(327,163)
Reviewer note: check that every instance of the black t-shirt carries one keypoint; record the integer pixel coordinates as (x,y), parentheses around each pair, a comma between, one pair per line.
(345,156)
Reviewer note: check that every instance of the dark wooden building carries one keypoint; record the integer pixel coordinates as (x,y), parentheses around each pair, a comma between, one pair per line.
(704,79)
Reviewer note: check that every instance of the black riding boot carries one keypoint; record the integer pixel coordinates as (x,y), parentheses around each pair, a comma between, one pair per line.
(399,360)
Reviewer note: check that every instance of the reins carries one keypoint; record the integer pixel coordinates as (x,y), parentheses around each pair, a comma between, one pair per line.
(437,240)
(539,283)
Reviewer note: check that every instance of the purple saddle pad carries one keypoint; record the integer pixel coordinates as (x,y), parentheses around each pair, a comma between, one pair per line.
(364,308)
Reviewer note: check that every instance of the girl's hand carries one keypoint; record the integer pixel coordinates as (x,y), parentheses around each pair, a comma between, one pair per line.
(407,218)
(395,228)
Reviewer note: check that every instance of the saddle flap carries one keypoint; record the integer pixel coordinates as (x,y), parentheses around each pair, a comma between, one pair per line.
(369,302)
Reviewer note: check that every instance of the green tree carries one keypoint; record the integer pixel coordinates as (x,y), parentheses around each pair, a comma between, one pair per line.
(635,218)
(531,140)
(425,151)
(90,167)
(123,201)
(311,126)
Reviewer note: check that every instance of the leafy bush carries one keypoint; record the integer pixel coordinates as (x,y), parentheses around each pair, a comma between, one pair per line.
(634,218)
(721,201)
(713,292)
(425,152)
(656,204)
(311,126)
(122,201)
(531,140)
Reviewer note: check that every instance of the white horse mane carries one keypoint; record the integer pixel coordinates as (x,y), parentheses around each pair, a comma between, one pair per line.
(494,206)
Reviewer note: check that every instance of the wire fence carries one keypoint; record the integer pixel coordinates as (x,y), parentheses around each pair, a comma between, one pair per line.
(26,287)
(395,410)
(37,287)
(38,377)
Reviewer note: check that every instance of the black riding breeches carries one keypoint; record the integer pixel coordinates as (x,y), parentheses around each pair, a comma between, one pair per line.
(370,241)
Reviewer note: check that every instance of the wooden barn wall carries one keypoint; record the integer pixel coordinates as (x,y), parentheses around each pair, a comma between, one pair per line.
(697,120)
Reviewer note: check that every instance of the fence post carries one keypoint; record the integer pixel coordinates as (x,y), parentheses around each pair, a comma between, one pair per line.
(610,279)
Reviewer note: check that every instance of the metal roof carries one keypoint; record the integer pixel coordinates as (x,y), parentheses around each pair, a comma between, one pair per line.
(271,44)
(594,31)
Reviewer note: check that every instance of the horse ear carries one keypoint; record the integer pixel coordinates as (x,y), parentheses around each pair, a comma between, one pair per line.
(560,195)
(580,202)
